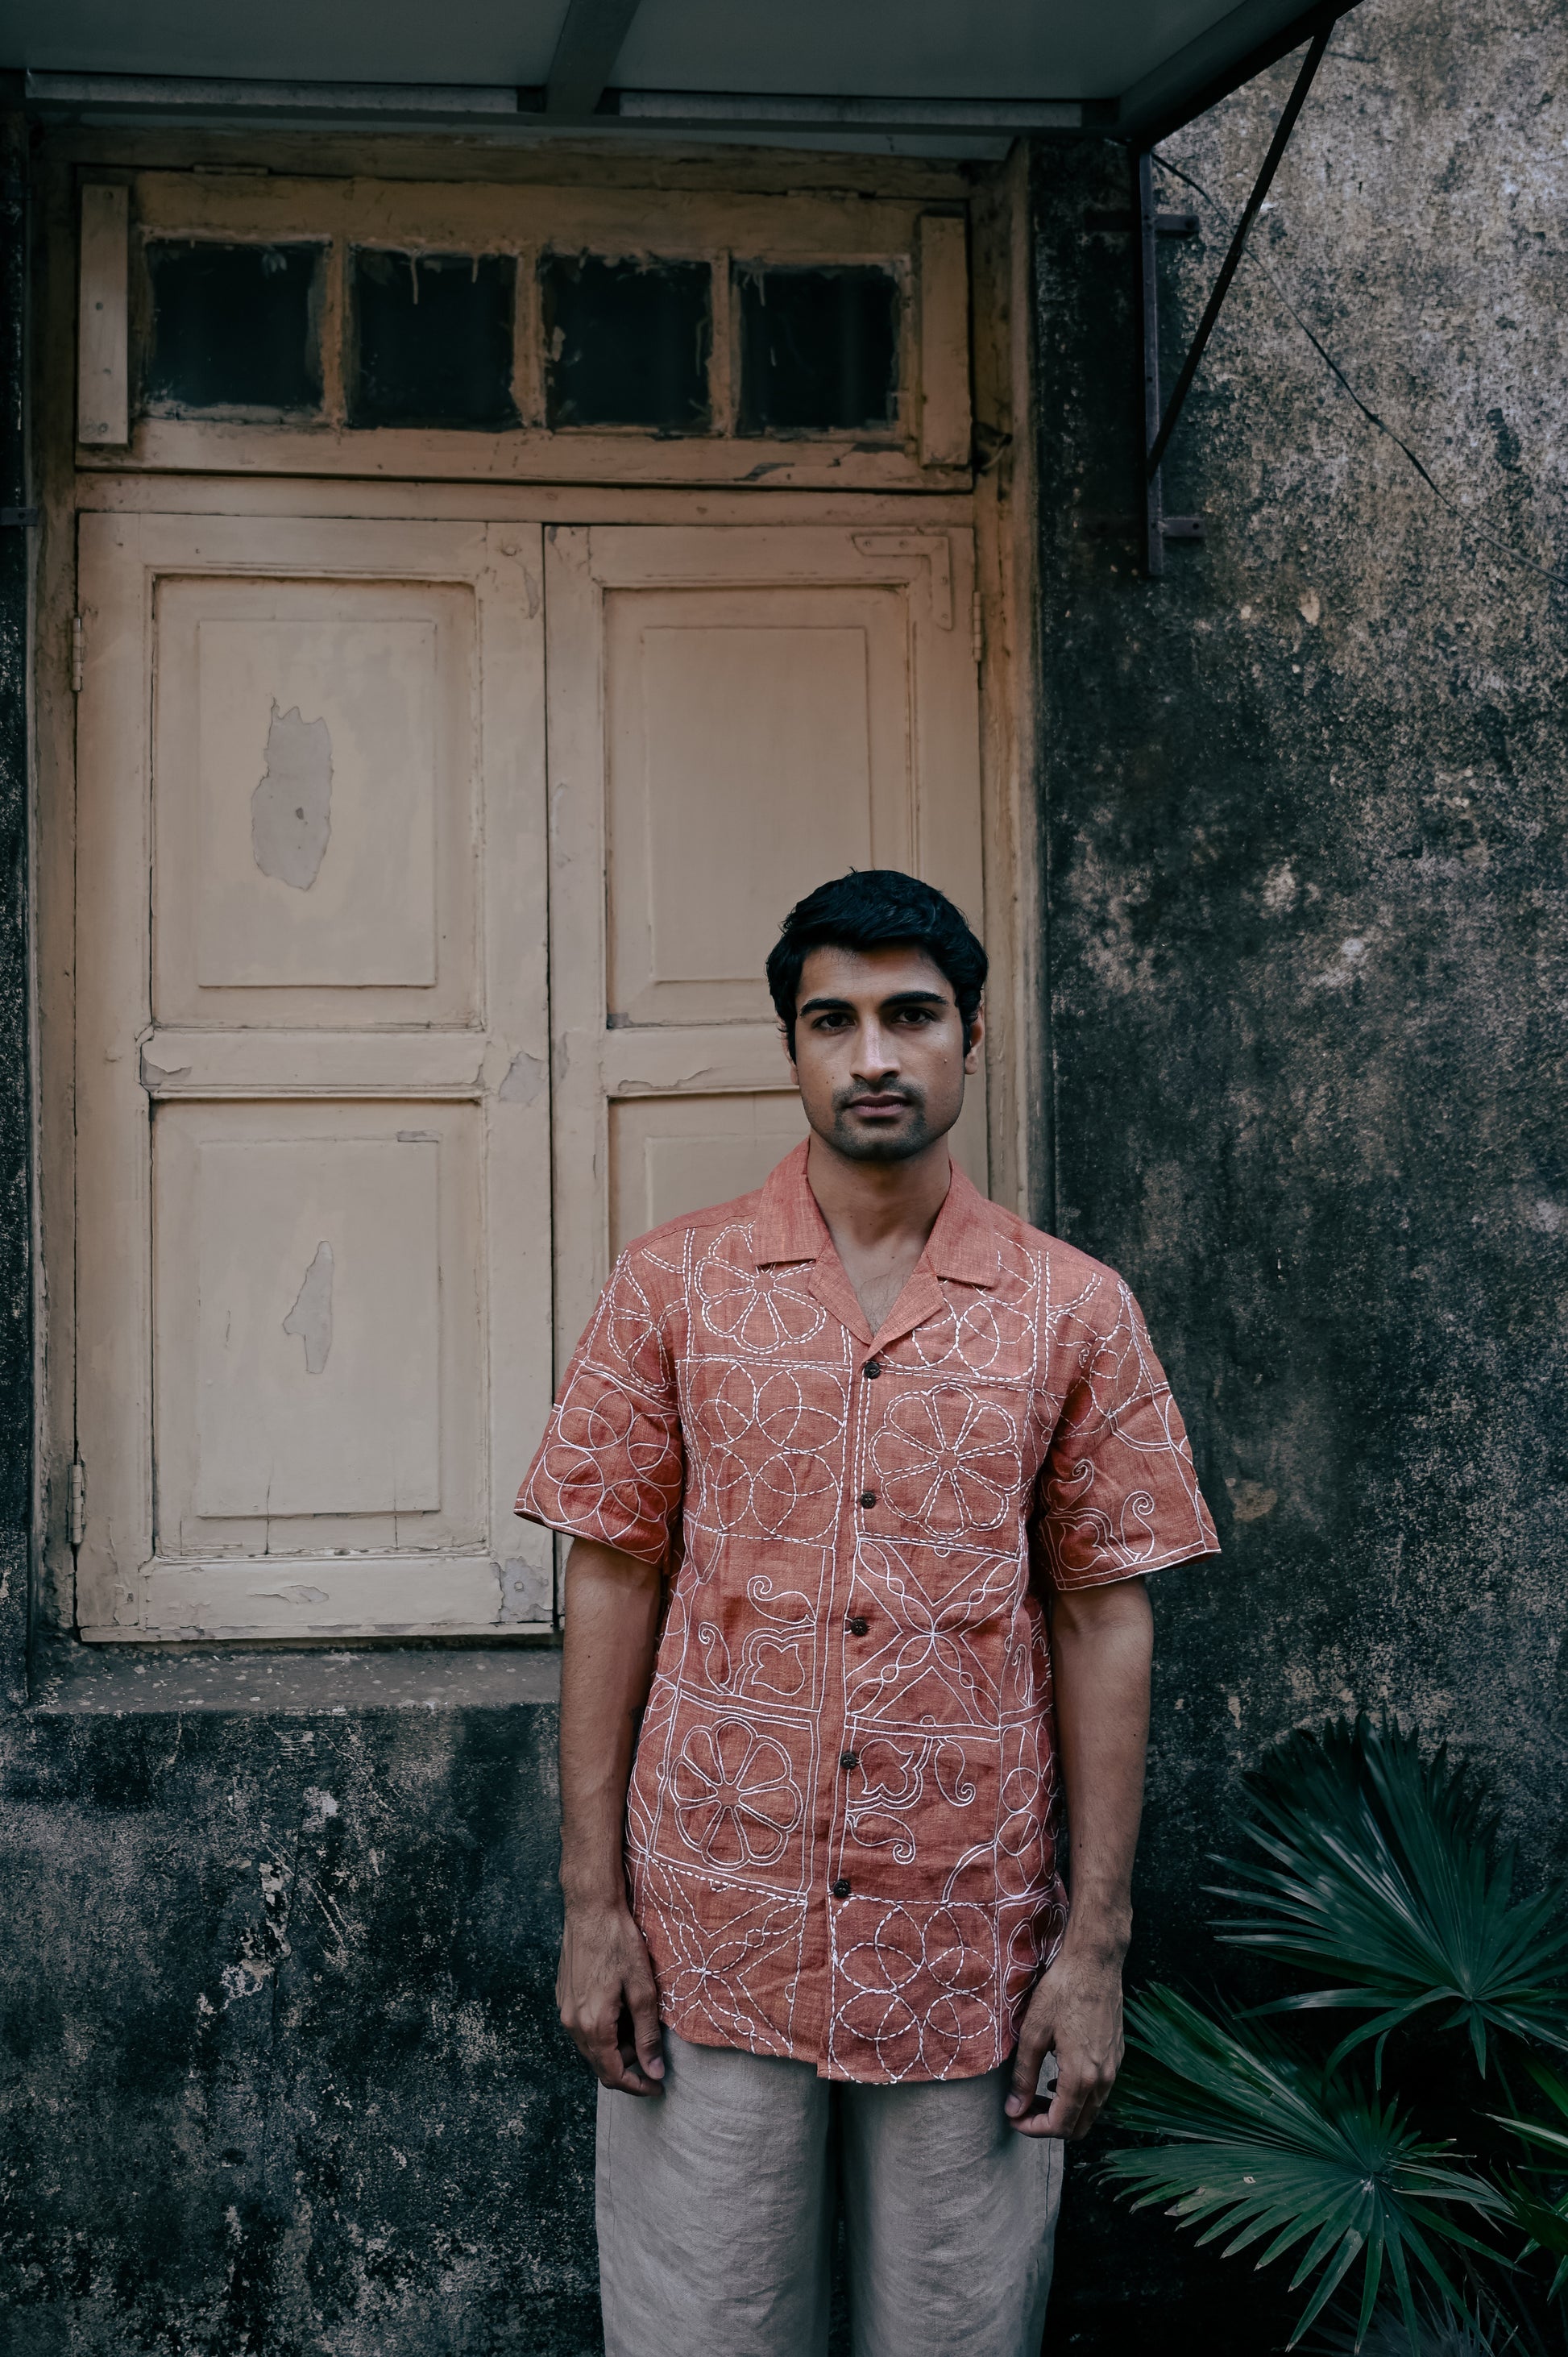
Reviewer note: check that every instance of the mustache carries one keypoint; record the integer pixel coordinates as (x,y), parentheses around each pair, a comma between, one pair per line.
(845,1100)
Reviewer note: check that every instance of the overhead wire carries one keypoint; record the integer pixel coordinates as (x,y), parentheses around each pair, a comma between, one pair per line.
(1467,524)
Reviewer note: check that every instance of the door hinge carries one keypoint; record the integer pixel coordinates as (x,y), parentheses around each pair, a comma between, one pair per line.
(75,654)
(977,627)
(77,1502)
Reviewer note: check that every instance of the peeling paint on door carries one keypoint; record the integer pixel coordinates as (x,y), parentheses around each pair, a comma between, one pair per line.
(525,1078)
(291,810)
(311,1317)
(525,1590)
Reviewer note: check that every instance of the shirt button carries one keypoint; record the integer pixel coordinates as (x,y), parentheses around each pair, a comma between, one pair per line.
(849,1759)
(856,1625)
(840,1888)
(871,1369)
(868,1497)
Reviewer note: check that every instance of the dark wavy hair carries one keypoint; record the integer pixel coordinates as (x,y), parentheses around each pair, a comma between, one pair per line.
(869,909)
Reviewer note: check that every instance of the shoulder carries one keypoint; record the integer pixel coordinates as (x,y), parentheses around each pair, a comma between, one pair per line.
(1067,1280)
(659,1260)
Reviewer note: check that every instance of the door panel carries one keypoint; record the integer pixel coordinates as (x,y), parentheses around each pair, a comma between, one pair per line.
(753,748)
(670,1152)
(316,1352)
(314,826)
(314,1228)
(735,714)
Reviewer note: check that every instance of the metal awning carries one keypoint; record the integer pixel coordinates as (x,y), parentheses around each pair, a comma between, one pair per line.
(916,75)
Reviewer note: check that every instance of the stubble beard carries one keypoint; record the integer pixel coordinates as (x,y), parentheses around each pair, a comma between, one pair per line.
(902,1145)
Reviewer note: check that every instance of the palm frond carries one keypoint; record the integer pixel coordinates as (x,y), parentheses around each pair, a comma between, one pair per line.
(1440,2333)
(1260,2147)
(1544,2220)
(1377,1869)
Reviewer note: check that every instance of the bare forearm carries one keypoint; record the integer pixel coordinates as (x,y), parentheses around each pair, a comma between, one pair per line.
(1102,1649)
(612,1625)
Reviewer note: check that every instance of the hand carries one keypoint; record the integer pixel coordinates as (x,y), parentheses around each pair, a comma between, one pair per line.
(1075,2011)
(607,1998)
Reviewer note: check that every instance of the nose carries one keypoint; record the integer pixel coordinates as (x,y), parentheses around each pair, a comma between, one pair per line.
(877,1057)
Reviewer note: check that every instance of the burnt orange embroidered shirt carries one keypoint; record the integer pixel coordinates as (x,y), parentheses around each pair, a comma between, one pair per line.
(841,1825)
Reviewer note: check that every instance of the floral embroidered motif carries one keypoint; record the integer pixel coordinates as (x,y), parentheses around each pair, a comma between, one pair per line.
(841,1823)
(948,1460)
(736,1800)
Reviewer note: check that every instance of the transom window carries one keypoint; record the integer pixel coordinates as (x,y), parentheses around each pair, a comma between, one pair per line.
(235,329)
(525,330)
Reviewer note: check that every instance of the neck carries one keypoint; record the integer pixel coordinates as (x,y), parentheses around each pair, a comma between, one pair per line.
(867,1204)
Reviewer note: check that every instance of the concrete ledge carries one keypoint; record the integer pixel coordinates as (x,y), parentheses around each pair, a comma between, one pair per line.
(73,1680)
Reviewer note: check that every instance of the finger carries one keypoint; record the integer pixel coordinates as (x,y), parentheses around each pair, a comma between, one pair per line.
(648,2038)
(1076,2091)
(597,2040)
(1094,2104)
(1033,2044)
(615,2066)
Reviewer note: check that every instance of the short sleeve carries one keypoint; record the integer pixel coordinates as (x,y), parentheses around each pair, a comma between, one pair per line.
(610,1465)
(1118,1493)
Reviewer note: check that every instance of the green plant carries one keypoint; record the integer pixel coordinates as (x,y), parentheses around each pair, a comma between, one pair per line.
(1265,2145)
(1379,1868)
(1439,2333)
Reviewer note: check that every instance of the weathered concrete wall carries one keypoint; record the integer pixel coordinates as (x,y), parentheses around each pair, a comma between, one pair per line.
(279,2069)
(1304,805)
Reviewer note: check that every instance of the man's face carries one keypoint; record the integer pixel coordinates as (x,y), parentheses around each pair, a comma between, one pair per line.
(879,1052)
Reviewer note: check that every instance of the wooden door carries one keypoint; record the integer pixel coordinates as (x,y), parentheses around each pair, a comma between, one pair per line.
(312,1235)
(735,714)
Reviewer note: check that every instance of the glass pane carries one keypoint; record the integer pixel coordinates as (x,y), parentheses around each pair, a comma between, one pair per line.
(234,327)
(627,343)
(432,339)
(819,350)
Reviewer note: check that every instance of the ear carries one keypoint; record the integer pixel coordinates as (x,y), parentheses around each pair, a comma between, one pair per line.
(976,1040)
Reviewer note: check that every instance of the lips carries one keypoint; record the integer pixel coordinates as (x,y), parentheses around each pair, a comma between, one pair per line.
(879,1105)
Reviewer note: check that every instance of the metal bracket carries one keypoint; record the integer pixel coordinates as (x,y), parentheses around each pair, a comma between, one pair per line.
(1158,429)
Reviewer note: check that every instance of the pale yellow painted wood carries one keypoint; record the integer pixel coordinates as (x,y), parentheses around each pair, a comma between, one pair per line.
(752,745)
(693,838)
(1007,546)
(802,226)
(102,383)
(317,1358)
(449,215)
(670,1152)
(180,445)
(694,1059)
(274,1062)
(667,1061)
(333,1598)
(113,1196)
(340,1276)
(943,278)
(348,701)
(478,501)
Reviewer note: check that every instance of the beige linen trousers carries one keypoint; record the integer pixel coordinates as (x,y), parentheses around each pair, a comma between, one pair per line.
(717,2208)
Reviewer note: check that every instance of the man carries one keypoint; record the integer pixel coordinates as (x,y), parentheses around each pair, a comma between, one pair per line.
(863,1476)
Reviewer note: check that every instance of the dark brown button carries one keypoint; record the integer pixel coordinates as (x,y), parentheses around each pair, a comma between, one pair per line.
(849,1759)
(856,1626)
(840,1888)
(871,1369)
(868,1497)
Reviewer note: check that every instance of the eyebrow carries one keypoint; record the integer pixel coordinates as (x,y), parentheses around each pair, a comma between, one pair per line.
(846,1006)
